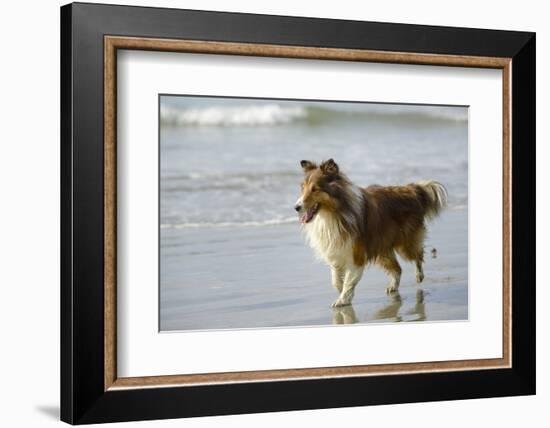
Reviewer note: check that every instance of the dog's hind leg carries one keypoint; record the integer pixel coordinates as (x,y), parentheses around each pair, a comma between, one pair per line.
(351,278)
(390,264)
(416,255)
(419,270)
(414,251)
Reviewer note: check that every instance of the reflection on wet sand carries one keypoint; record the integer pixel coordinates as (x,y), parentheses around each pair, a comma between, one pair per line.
(344,315)
(419,309)
(389,312)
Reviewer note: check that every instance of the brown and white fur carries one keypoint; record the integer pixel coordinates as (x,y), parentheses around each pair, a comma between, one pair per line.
(350,227)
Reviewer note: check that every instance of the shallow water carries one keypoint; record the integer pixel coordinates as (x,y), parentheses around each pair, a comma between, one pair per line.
(224,174)
(232,255)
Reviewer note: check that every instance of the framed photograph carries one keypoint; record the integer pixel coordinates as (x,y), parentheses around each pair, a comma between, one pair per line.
(266,213)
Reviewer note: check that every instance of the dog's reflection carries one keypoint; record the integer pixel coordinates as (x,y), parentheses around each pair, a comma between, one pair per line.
(344,315)
(347,315)
(419,308)
(391,310)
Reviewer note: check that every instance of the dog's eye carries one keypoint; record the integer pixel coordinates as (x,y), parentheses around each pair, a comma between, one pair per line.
(314,189)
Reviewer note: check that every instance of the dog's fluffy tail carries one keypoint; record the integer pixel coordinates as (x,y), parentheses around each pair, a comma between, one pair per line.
(436,197)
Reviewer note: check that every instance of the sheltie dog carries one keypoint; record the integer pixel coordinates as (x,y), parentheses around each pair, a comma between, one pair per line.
(350,227)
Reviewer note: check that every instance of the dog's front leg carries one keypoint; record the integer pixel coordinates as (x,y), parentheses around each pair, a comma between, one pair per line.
(351,278)
(337,273)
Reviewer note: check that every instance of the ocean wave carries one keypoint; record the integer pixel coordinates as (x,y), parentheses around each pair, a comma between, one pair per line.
(316,113)
(224,175)
(253,115)
(228,224)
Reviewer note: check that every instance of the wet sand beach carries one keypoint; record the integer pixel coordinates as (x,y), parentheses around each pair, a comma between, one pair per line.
(266,276)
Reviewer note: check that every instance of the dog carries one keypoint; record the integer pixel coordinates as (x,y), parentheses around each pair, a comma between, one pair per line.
(350,227)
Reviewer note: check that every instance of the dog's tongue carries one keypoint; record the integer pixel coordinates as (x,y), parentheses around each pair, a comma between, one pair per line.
(307,216)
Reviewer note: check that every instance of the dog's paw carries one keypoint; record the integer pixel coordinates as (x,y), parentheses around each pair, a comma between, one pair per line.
(391,289)
(419,277)
(338,303)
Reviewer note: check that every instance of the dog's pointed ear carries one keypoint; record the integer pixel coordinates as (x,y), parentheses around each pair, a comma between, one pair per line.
(330,167)
(307,165)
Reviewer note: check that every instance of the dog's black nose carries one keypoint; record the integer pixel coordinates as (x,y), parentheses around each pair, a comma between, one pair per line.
(297,208)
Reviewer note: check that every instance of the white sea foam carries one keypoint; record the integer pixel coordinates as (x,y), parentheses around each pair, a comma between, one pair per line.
(253,115)
(271,114)
(270,222)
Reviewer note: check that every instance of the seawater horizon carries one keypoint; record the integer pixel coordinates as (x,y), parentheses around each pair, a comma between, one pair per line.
(230,162)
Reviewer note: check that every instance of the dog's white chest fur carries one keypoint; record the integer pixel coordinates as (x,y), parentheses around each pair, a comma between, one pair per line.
(326,236)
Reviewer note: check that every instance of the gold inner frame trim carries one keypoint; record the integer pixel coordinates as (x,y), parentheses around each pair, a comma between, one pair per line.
(113,43)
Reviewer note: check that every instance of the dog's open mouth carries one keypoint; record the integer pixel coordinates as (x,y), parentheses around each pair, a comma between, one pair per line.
(309,214)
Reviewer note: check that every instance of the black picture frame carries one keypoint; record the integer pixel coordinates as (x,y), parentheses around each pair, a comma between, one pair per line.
(83,398)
